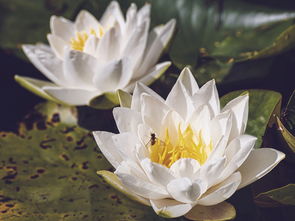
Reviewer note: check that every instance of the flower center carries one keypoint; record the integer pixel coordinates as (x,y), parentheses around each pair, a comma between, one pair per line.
(188,145)
(78,42)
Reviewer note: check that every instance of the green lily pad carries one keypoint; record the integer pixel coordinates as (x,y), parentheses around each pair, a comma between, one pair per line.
(219,212)
(288,115)
(277,197)
(264,105)
(48,172)
(288,137)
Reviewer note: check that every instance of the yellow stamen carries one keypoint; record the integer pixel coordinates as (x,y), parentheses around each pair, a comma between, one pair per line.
(78,42)
(188,145)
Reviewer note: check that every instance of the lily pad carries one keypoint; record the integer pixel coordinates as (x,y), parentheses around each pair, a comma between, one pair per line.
(281,196)
(288,137)
(219,212)
(264,105)
(48,172)
(288,115)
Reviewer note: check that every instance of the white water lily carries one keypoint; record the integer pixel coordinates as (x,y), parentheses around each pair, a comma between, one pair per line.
(89,58)
(184,151)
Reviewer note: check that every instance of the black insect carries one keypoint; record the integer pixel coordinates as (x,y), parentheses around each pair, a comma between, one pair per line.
(153,139)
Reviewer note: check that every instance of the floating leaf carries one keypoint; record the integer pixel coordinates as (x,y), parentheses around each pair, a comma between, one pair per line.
(219,212)
(284,196)
(288,137)
(48,172)
(289,114)
(262,105)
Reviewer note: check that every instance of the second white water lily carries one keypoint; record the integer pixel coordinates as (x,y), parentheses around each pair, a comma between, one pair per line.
(184,151)
(89,58)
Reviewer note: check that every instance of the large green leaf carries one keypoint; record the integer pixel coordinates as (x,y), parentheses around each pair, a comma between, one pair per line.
(225,29)
(288,137)
(289,114)
(48,172)
(263,104)
(284,196)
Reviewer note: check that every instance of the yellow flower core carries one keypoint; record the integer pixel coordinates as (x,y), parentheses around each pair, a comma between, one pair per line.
(78,42)
(188,145)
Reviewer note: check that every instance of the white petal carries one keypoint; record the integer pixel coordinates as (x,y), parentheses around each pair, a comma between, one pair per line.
(156,172)
(157,41)
(187,79)
(236,153)
(179,100)
(111,15)
(220,127)
(185,167)
(143,14)
(153,112)
(132,168)
(173,122)
(115,182)
(152,75)
(79,69)
(58,45)
(211,170)
(108,76)
(170,208)
(259,163)
(208,95)
(141,186)
(62,27)
(127,120)
(45,60)
(127,73)
(107,147)
(200,122)
(85,21)
(222,191)
(126,144)
(131,20)
(239,108)
(144,133)
(138,91)
(71,96)
(109,46)
(136,45)
(184,190)
(91,45)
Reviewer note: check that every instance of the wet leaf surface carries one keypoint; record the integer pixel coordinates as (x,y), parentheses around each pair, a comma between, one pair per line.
(48,172)
(277,197)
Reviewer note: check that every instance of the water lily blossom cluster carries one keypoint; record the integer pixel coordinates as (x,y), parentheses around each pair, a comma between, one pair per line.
(186,150)
(90,58)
